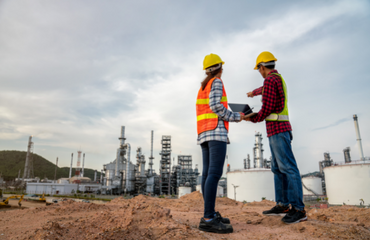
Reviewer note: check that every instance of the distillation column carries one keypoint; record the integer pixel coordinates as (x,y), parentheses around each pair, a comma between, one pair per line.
(258,151)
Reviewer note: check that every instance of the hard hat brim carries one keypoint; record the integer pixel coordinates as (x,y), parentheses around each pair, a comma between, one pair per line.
(204,68)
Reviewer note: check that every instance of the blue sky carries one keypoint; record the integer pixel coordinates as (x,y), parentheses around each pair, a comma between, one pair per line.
(73,72)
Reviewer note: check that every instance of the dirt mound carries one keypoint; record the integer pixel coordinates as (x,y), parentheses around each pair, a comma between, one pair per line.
(263,203)
(136,218)
(360,216)
(194,196)
(146,217)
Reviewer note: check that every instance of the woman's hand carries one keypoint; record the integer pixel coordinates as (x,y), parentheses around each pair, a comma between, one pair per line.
(250,94)
(241,116)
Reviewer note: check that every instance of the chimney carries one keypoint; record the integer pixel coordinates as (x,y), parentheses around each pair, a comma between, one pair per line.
(358,137)
(70,169)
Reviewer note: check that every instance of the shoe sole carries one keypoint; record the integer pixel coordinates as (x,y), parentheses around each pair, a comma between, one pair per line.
(275,214)
(299,220)
(216,231)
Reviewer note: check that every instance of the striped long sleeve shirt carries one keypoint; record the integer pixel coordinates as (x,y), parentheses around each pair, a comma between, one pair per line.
(220,133)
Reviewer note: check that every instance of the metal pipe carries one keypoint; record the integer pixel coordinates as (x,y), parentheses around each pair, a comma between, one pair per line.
(127,163)
(70,169)
(95,173)
(83,166)
(118,156)
(358,137)
(151,156)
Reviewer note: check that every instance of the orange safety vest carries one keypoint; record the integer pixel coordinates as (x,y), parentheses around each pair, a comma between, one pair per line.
(206,119)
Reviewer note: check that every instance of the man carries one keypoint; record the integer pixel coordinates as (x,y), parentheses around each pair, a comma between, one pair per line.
(287,179)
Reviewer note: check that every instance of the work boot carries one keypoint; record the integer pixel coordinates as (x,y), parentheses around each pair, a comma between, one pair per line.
(223,220)
(215,226)
(294,216)
(276,211)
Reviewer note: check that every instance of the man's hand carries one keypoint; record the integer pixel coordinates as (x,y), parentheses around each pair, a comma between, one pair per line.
(250,94)
(246,118)
(241,116)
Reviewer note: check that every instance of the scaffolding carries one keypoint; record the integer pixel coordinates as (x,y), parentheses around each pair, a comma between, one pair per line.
(165,166)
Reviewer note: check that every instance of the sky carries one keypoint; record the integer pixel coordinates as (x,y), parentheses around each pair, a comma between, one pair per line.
(73,72)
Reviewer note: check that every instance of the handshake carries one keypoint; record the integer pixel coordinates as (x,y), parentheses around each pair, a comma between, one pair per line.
(245,117)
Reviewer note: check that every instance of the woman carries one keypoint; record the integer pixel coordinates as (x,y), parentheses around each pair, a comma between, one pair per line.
(213,119)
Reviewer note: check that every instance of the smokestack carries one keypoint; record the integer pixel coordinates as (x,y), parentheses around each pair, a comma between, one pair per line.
(83,166)
(358,137)
(347,156)
(151,156)
(101,176)
(55,174)
(228,168)
(95,173)
(70,169)
(19,174)
(78,169)
(26,167)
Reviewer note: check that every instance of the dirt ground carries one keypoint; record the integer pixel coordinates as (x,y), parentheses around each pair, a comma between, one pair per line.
(154,218)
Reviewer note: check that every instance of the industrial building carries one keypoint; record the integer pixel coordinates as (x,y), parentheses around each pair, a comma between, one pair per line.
(345,182)
(122,176)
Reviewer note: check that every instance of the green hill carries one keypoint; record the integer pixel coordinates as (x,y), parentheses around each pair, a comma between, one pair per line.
(12,161)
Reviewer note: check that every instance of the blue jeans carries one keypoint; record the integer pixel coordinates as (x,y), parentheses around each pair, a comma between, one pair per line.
(287,179)
(214,153)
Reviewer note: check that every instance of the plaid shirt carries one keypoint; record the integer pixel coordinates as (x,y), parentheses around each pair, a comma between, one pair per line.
(272,102)
(220,133)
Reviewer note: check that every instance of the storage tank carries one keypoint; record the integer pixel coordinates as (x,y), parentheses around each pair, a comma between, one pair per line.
(312,183)
(348,183)
(220,190)
(253,184)
(184,190)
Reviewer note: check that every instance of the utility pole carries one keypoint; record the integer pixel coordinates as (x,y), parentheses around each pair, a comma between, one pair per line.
(234,191)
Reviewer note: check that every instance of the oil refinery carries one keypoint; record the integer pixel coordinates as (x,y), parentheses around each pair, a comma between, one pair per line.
(336,182)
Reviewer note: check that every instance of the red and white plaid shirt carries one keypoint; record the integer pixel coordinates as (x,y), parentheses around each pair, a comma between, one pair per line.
(272,102)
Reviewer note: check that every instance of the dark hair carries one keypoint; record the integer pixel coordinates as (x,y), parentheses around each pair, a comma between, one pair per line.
(272,67)
(210,75)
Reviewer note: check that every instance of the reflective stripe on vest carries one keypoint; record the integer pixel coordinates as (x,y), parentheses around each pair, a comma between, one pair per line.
(206,119)
(283,116)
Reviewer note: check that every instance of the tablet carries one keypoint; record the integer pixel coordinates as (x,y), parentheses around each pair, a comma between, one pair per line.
(237,107)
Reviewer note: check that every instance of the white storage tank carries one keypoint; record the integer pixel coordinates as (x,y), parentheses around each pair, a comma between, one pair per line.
(184,190)
(313,183)
(254,184)
(348,183)
(220,190)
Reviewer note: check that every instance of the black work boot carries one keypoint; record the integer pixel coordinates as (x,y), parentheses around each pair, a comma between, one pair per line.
(294,216)
(215,226)
(223,220)
(276,211)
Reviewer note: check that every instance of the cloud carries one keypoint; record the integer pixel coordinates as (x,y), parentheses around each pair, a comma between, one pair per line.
(71,74)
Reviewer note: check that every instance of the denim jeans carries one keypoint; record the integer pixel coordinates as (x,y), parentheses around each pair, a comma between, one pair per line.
(214,153)
(287,179)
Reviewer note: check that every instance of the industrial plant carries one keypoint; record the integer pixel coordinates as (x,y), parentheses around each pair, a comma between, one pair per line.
(122,175)
(337,182)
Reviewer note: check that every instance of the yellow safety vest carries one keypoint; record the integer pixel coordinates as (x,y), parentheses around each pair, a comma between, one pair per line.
(283,116)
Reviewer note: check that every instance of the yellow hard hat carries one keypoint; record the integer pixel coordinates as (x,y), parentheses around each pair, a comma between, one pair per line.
(210,60)
(264,57)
